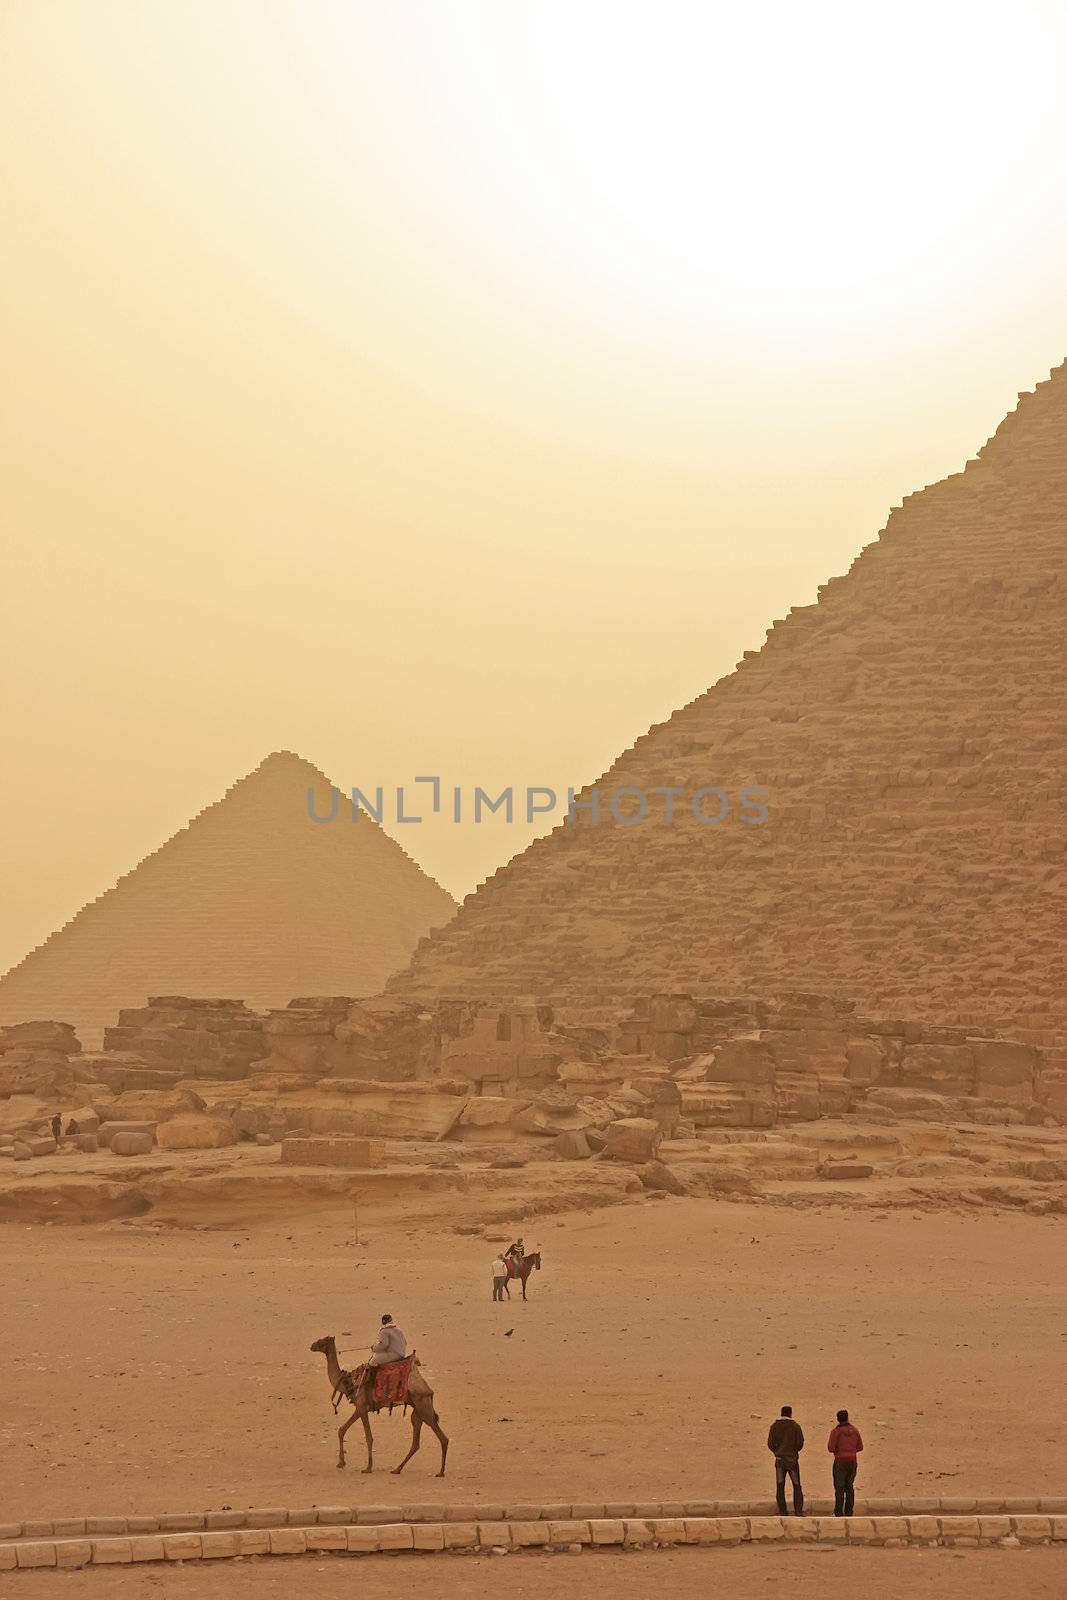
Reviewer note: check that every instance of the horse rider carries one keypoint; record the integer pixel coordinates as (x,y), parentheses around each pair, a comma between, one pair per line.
(516,1251)
(389,1346)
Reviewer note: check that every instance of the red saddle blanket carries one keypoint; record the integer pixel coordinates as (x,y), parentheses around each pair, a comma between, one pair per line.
(390,1382)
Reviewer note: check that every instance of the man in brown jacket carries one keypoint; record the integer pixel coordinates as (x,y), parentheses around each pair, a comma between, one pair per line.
(785,1441)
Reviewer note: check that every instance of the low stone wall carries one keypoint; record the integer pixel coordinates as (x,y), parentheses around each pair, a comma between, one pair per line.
(505,1534)
(353,1154)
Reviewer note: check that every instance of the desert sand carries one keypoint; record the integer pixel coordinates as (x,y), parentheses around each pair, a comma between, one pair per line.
(687,1574)
(154,1369)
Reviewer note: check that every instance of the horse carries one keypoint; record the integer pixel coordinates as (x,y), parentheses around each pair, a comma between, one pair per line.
(521,1270)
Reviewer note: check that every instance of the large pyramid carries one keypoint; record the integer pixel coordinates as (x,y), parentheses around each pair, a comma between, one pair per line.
(909,730)
(251,900)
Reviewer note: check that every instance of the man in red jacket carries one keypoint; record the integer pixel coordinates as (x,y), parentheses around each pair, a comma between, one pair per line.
(844,1445)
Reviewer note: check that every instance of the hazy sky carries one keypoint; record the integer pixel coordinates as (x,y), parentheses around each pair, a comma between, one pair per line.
(460,387)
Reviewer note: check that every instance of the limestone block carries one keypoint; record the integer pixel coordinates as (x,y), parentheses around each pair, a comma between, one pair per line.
(132,1144)
(846,1169)
(571,1146)
(334,1516)
(1005,1072)
(287,1541)
(655,1175)
(428,1536)
(112,1552)
(76,1553)
(41,1146)
(732,1530)
(761,1529)
(266,1517)
(942,1068)
(638,1532)
(109,1129)
(8,1558)
(216,1545)
(807,1049)
(460,1535)
(528,1534)
(361,1539)
(344,1152)
(748,1060)
(569,1532)
(58,1036)
(88,1143)
(702,1530)
(866,1061)
(993,1527)
(147,1547)
(107,1527)
(488,1117)
(605,1530)
(395,1536)
(924,1529)
(371,1516)
(1031,1530)
(326,1539)
(253,1541)
(195,1132)
(633,1139)
(181,1546)
(494,1536)
(38,1553)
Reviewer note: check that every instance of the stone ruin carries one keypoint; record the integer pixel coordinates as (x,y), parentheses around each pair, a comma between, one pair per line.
(576,1077)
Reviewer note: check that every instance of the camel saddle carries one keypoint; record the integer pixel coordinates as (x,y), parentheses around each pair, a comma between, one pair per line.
(390,1382)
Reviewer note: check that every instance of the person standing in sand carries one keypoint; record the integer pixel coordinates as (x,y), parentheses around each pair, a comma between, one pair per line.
(500,1277)
(844,1444)
(785,1441)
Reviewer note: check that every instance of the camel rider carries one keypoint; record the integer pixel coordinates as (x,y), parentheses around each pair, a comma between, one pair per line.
(389,1346)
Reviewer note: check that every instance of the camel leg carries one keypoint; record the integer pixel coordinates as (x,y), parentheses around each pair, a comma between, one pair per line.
(342,1430)
(443,1437)
(370,1443)
(416,1430)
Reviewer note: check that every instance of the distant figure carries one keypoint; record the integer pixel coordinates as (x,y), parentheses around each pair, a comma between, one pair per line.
(72,1129)
(57,1127)
(786,1441)
(390,1345)
(516,1251)
(500,1277)
(844,1444)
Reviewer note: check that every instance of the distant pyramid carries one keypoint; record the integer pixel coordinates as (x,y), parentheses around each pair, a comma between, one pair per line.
(909,728)
(251,900)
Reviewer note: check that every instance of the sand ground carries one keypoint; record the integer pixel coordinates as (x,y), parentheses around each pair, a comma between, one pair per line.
(735,1574)
(149,1371)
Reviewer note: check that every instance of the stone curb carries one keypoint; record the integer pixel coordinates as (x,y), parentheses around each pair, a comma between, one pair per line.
(566,1533)
(372,1516)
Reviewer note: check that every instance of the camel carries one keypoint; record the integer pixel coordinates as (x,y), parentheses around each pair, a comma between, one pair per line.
(420,1399)
(521,1270)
